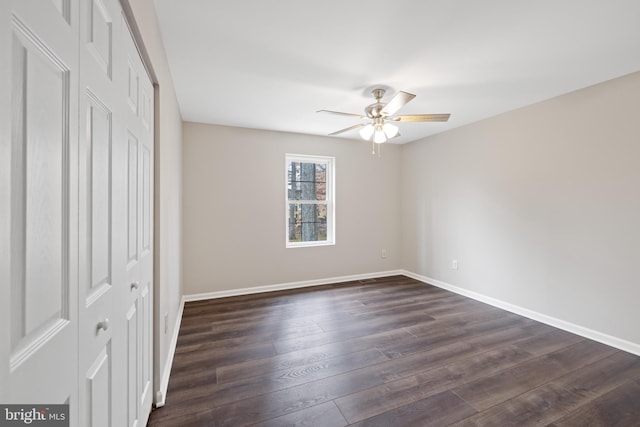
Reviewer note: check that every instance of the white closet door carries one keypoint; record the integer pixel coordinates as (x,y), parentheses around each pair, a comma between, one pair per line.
(137,295)
(76,212)
(38,202)
(101,158)
(116,147)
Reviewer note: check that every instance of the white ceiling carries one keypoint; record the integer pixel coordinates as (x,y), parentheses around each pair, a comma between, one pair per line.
(272,64)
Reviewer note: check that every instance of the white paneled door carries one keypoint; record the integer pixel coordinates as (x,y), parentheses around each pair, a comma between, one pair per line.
(99,223)
(76,212)
(137,217)
(39,202)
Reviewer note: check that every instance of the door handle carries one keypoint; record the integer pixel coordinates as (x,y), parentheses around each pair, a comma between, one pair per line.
(103,325)
(135,285)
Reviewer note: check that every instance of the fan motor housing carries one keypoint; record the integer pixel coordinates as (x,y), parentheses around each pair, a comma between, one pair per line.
(374,110)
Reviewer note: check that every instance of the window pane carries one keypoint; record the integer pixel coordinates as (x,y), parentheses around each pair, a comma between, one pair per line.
(307,181)
(307,222)
(310,204)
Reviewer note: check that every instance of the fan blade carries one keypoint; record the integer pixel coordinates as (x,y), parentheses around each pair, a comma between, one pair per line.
(421,118)
(359,125)
(360,116)
(397,102)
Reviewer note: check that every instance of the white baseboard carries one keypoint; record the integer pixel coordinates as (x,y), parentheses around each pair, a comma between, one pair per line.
(290,285)
(612,341)
(603,338)
(161,392)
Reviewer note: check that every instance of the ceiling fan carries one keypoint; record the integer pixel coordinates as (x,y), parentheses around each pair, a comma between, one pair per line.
(379,117)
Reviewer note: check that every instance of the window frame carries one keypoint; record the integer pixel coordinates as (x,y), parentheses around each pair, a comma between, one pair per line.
(330,163)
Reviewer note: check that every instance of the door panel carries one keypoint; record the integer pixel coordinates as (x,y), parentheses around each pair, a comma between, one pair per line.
(146,349)
(98,380)
(38,206)
(40,199)
(132,365)
(146,111)
(99,31)
(147,214)
(64,8)
(132,200)
(100,146)
(132,86)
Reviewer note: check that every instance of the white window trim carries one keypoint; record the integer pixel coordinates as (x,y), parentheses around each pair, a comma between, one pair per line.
(331,205)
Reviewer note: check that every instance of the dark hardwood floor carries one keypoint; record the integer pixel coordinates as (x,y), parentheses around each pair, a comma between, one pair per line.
(388,352)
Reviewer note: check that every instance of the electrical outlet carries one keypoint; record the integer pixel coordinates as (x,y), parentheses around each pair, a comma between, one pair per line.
(383,253)
(454,264)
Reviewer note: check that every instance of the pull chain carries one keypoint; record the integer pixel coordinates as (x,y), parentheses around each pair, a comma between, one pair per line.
(373,149)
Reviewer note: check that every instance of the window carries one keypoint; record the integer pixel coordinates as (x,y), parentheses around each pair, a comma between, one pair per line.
(310,200)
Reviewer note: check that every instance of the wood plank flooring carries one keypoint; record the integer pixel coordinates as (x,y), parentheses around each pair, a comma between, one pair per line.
(388,352)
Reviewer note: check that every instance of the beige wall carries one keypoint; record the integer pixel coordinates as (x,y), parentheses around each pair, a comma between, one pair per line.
(540,206)
(234,209)
(168,187)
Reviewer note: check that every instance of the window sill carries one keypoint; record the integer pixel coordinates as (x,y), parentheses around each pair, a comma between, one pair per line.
(309,244)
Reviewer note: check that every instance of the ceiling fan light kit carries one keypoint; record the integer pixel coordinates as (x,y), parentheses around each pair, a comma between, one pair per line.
(391,131)
(379,137)
(367,132)
(379,114)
